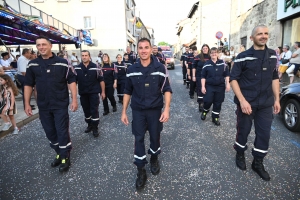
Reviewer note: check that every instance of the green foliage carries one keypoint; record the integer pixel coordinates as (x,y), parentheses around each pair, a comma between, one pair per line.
(163,44)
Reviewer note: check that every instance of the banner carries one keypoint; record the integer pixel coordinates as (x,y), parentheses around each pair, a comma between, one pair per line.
(85,36)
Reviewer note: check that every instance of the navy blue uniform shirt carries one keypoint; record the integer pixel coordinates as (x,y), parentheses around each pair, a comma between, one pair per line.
(121,69)
(146,85)
(109,74)
(50,78)
(215,73)
(160,58)
(254,71)
(88,78)
(198,63)
(131,57)
(183,58)
(189,60)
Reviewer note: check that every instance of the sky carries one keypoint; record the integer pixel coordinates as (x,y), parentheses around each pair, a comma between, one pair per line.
(163,15)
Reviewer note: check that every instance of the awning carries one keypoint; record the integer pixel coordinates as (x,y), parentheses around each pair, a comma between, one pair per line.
(20,29)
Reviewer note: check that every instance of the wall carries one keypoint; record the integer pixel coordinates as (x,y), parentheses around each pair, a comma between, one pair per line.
(245,16)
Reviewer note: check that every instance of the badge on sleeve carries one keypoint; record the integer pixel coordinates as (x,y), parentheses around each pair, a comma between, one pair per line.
(48,70)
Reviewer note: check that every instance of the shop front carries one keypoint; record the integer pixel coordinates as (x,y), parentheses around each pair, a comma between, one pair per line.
(288,13)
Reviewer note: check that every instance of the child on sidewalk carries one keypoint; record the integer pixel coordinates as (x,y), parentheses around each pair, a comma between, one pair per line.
(8,91)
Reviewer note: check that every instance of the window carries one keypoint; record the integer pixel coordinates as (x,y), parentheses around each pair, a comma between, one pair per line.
(244,41)
(88,22)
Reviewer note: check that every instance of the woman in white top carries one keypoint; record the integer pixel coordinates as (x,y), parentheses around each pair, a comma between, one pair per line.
(285,55)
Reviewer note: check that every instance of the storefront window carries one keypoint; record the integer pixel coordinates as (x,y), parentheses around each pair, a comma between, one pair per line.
(291,32)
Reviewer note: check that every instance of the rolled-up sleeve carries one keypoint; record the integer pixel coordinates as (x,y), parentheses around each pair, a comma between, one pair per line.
(29,77)
(236,70)
(71,77)
(165,82)
(128,86)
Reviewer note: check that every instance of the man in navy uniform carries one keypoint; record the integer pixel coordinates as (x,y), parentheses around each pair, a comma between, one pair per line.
(90,85)
(146,84)
(254,80)
(184,67)
(131,55)
(50,75)
(158,55)
(188,63)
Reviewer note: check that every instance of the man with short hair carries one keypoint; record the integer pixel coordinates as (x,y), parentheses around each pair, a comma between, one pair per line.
(51,75)
(22,66)
(146,84)
(254,80)
(6,60)
(90,85)
(131,55)
(158,55)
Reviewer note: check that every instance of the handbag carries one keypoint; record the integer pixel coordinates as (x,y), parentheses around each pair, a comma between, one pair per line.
(284,61)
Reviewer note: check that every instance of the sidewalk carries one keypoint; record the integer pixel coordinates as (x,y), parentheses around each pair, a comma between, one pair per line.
(21,118)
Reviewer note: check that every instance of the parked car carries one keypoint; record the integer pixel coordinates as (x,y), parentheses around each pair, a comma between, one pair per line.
(169,59)
(290,106)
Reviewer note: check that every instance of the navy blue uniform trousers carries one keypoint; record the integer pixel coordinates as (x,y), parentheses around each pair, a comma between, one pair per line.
(90,105)
(120,90)
(214,95)
(141,121)
(56,126)
(262,122)
(200,95)
(109,93)
(184,73)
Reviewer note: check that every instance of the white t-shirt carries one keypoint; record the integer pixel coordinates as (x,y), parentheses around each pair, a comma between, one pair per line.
(74,60)
(6,63)
(286,55)
(296,60)
(22,64)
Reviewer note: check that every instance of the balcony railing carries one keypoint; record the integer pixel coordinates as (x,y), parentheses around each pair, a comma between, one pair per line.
(38,16)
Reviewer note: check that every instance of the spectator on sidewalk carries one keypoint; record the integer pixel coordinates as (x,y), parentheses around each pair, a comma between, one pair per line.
(8,103)
(6,60)
(294,63)
(284,61)
(74,59)
(51,75)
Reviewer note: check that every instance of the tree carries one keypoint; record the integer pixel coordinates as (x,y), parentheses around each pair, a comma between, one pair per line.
(163,44)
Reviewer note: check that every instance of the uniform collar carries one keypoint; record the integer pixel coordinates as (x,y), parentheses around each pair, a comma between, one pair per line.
(52,57)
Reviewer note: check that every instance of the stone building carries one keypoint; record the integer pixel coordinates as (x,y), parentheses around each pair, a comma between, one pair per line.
(282,20)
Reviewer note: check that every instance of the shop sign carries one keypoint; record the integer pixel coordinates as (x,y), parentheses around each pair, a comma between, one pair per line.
(287,8)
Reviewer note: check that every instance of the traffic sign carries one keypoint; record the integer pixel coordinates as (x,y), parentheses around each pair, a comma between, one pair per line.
(219,35)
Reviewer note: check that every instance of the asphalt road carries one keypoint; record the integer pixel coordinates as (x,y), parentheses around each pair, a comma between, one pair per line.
(197,160)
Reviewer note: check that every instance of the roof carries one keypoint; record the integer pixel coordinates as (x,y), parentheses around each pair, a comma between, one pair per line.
(17,28)
(193,9)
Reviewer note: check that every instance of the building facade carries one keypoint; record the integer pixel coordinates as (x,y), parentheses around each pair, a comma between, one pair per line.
(111,23)
(184,36)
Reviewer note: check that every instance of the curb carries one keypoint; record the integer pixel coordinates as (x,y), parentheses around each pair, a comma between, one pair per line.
(19,124)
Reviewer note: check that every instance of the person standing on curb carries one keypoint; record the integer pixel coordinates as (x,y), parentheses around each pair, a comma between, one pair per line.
(146,84)
(50,75)
(90,85)
(255,83)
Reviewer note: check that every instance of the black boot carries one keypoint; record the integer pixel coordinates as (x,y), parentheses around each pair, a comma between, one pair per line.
(65,164)
(200,107)
(114,108)
(105,112)
(203,115)
(154,165)
(240,160)
(184,82)
(141,178)
(191,97)
(216,121)
(187,86)
(258,167)
(95,131)
(88,129)
(56,161)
